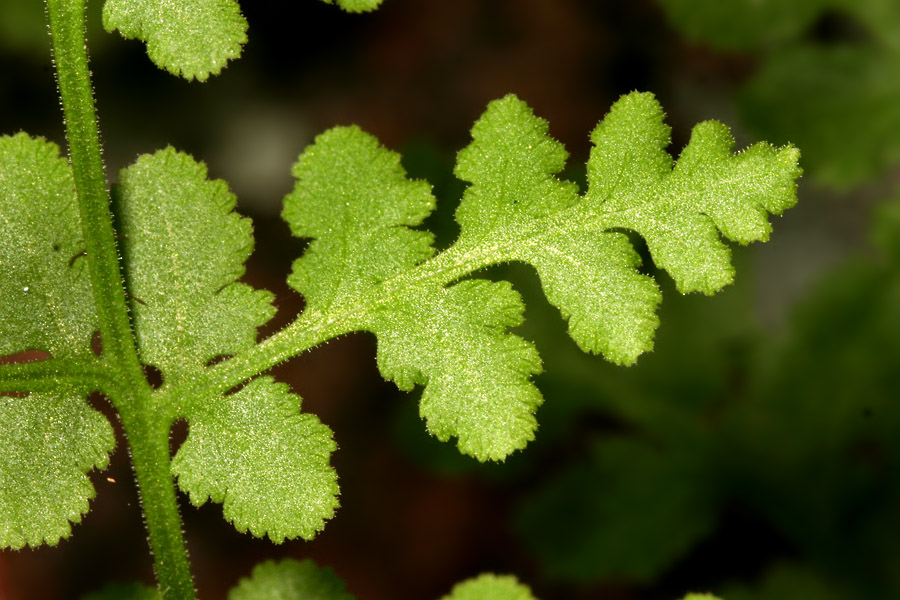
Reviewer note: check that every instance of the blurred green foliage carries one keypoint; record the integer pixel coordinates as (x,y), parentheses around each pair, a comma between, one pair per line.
(18,23)
(788,581)
(124,591)
(826,80)
(23,21)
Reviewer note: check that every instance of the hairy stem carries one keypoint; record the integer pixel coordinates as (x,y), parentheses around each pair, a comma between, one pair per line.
(54,374)
(67,25)
(148,437)
(147,433)
(314,327)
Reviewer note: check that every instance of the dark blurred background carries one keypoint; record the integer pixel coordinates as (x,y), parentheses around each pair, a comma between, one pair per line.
(752,453)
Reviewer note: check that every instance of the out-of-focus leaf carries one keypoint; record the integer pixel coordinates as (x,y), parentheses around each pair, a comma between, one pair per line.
(490,587)
(356,6)
(628,513)
(840,104)
(124,591)
(290,580)
(787,581)
(741,24)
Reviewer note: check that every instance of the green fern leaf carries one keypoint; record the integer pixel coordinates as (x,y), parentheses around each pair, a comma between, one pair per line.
(367,269)
(46,302)
(50,442)
(678,210)
(184,250)
(353,197)
(251,450)
(267,464)
(52,439)
(516,204)
(454,341)
(190,38)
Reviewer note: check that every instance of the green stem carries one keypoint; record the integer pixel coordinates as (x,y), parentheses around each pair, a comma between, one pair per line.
(54,374)
(147,432)
(67,30)
(309,330)
(313,327)
(148,437)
